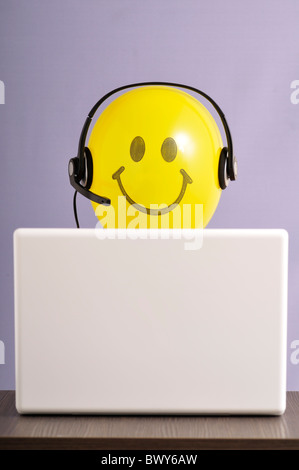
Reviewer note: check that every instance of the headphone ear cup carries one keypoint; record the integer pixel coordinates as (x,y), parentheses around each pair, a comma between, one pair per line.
(73,166)
(88,169)
(235,170)
(222,169)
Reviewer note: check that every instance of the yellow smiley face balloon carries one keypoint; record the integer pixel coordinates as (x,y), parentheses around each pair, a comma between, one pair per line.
(155,152)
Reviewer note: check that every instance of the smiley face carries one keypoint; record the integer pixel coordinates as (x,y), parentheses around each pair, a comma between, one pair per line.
(168,152)
(157,147)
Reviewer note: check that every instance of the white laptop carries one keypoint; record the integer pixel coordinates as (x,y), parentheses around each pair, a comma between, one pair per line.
(147,322)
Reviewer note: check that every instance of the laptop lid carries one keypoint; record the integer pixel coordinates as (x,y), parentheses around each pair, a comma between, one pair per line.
(132,321)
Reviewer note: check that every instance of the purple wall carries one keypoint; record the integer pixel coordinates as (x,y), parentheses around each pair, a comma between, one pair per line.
(57,57)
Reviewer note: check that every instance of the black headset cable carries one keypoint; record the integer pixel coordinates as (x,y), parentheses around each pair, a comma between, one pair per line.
(75,209)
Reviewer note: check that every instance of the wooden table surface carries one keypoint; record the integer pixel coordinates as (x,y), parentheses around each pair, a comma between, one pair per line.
(148,432)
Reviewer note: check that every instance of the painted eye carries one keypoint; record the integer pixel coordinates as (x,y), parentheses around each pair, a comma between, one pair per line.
(137,149)
(169,149)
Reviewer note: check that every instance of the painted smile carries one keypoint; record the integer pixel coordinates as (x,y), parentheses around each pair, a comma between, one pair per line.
(146,210)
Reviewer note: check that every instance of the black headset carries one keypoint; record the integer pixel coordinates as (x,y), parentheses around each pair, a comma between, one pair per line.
(80,168)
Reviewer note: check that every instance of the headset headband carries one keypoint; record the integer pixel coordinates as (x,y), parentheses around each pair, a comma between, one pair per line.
(230,156)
